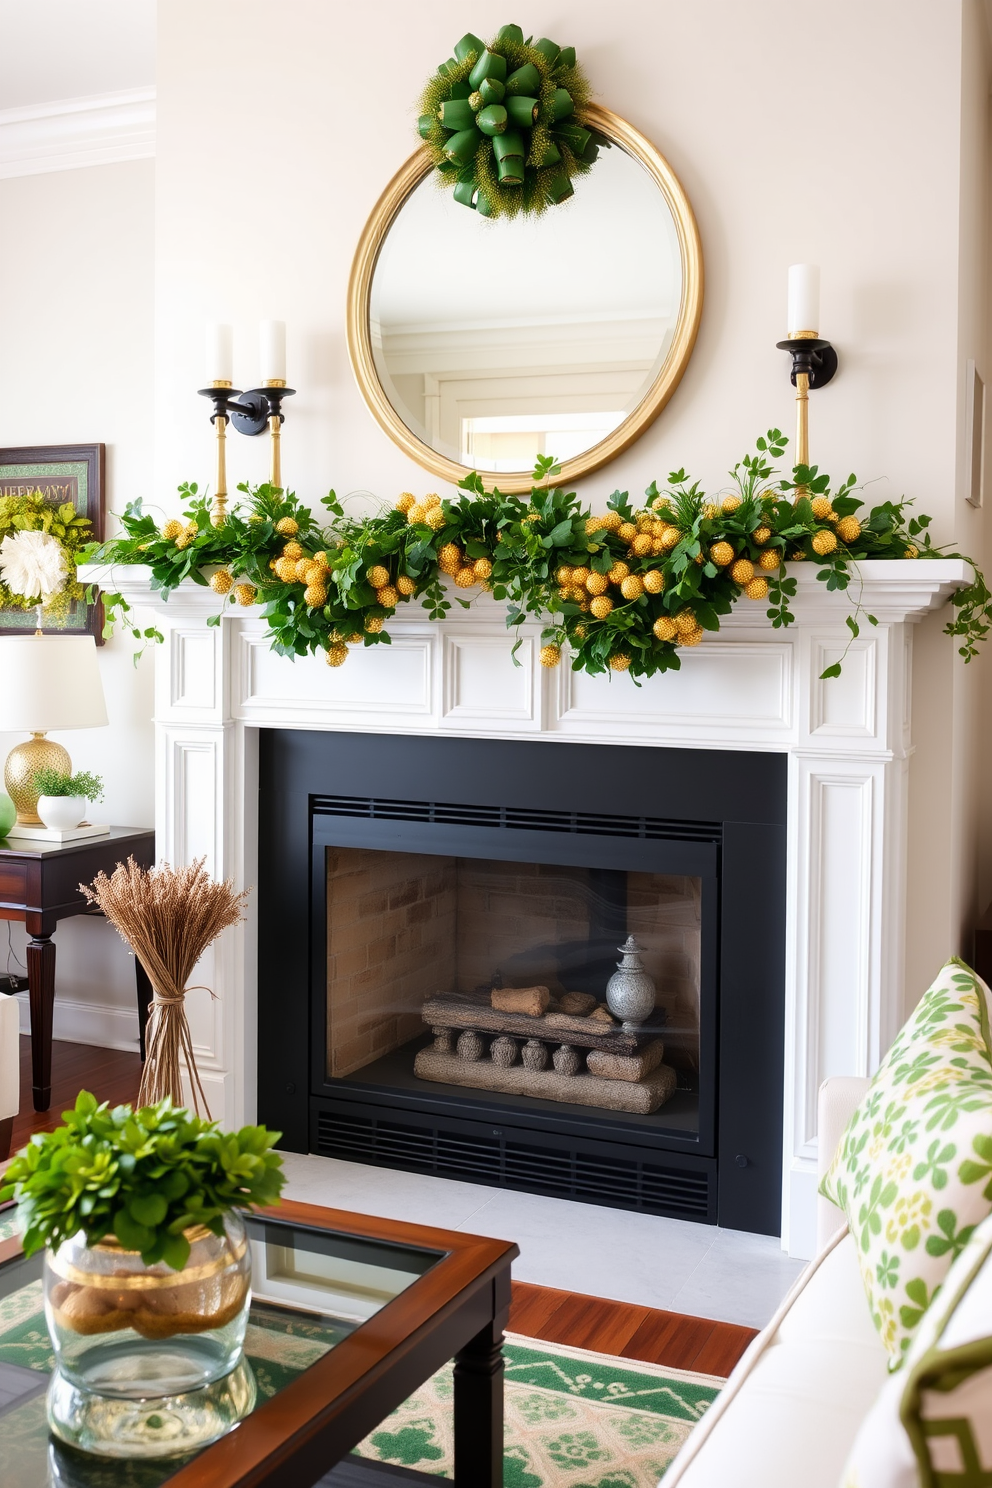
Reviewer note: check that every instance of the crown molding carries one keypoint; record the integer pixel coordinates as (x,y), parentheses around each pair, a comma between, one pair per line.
(67,133)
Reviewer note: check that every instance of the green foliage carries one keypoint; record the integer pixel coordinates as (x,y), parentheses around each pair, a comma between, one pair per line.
(570,148)
(528,541)
(50,781)
(143,1176)
(32,512)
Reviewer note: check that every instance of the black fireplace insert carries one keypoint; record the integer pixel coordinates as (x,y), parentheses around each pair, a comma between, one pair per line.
(413,888)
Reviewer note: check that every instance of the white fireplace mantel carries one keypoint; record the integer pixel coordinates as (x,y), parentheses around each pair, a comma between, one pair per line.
(748,688)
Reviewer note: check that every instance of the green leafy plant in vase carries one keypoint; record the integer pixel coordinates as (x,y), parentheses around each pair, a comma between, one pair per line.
(147,1271)
(62,797)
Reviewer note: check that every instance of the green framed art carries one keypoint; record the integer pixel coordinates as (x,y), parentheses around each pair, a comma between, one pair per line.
(72,473)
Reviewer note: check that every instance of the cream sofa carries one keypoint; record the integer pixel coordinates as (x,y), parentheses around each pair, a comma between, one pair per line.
(790,1411)
(10,1070)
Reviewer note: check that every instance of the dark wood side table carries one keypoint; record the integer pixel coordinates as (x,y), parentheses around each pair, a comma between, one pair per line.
(39,884)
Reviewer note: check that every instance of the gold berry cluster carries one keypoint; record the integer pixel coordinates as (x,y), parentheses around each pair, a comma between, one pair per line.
(742,569)
(181,533)
(428,511)
(466,572)
(294,565)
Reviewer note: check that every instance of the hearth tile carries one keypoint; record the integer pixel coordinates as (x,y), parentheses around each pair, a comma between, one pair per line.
(741,1279)
(638,1258)
(417,1198)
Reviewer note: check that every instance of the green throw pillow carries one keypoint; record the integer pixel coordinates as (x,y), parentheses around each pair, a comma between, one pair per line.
(913,1171)
(932,1422)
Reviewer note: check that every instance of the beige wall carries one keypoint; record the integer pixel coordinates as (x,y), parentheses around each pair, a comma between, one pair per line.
(76,252)
(884,186)
(870,191)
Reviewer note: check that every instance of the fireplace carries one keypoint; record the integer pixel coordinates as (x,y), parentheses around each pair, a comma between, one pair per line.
(405,882)
(749,719)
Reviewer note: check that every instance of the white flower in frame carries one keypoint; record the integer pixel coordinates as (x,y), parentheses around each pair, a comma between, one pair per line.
(32,565)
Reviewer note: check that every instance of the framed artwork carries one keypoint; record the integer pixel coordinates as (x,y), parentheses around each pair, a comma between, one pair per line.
(63,473)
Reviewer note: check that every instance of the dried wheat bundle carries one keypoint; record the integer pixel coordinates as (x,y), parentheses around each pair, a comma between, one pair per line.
(168,916)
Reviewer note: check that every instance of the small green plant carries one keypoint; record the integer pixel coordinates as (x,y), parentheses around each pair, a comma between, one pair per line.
(50,781)
(143,1176)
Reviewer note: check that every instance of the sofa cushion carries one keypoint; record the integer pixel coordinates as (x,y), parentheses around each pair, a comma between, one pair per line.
(793,1405)
(933,1420)
(909,1171)
(833,1308)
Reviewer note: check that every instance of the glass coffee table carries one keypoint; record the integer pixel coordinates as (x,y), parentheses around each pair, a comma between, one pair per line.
(350,1315)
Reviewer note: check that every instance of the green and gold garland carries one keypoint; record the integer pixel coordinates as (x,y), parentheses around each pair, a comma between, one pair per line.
(620,592)
(499,123)
(33,512)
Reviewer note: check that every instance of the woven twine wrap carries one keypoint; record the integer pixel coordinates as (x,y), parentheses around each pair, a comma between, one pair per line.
(168,916)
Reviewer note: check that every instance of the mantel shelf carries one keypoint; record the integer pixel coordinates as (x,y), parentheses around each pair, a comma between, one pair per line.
(892,590)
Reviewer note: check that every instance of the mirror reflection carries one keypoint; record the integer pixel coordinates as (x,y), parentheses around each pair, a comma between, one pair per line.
(496,342)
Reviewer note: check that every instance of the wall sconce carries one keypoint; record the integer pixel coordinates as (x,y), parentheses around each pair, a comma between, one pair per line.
(814,360)
(250,412)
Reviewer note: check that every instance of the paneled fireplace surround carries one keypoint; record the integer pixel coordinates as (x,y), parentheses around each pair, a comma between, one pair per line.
(817,990)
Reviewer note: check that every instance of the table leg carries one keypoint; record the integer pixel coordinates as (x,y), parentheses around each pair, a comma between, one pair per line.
(41,995)
(144,987)
(479,1410)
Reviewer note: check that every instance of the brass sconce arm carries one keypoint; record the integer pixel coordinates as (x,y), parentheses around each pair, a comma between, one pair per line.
(814,363)
(251,413)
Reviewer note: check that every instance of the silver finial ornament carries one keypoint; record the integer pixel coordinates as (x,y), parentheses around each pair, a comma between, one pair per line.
(630,991)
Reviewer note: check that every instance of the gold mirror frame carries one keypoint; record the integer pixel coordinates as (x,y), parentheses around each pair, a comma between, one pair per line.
(619,132)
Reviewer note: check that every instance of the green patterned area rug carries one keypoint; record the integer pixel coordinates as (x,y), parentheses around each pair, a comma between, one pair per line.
(573,1419)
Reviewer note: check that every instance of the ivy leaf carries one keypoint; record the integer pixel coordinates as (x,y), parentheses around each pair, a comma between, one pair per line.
(830,671)
(175,1251)
(131,1234)
(148,1210)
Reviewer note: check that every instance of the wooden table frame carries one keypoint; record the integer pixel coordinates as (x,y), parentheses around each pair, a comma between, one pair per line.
(456,1310)
(39,884)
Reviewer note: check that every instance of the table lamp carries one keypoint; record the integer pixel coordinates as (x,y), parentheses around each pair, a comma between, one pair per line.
(46,682)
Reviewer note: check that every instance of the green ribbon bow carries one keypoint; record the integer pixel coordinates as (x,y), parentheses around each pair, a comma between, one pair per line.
(500,123)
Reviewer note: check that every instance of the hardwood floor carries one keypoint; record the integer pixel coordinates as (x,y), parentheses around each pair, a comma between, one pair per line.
(644,1333)
(108,1074)
(594,1323)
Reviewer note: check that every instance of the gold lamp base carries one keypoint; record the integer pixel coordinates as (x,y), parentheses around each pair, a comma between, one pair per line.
(35,753)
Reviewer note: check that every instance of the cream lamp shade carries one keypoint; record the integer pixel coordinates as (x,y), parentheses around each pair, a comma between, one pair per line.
(50,682)
(46,682)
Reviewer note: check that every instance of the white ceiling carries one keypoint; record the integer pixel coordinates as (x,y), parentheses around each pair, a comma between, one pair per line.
(53,49)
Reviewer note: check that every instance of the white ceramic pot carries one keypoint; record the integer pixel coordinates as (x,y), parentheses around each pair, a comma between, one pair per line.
(62,813)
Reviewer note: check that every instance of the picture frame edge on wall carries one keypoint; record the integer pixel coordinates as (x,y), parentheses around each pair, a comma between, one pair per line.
(95,457)
(974,434)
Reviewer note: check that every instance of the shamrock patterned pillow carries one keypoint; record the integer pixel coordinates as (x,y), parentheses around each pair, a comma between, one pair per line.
(913,1171)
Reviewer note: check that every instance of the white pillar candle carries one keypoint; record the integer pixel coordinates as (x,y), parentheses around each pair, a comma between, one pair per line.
(220,352)
(272,338)
(804,299)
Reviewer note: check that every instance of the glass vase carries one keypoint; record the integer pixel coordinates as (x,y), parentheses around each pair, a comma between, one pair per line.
(149,1361)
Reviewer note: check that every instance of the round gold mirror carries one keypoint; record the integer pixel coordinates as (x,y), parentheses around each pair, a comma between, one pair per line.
(480,344)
